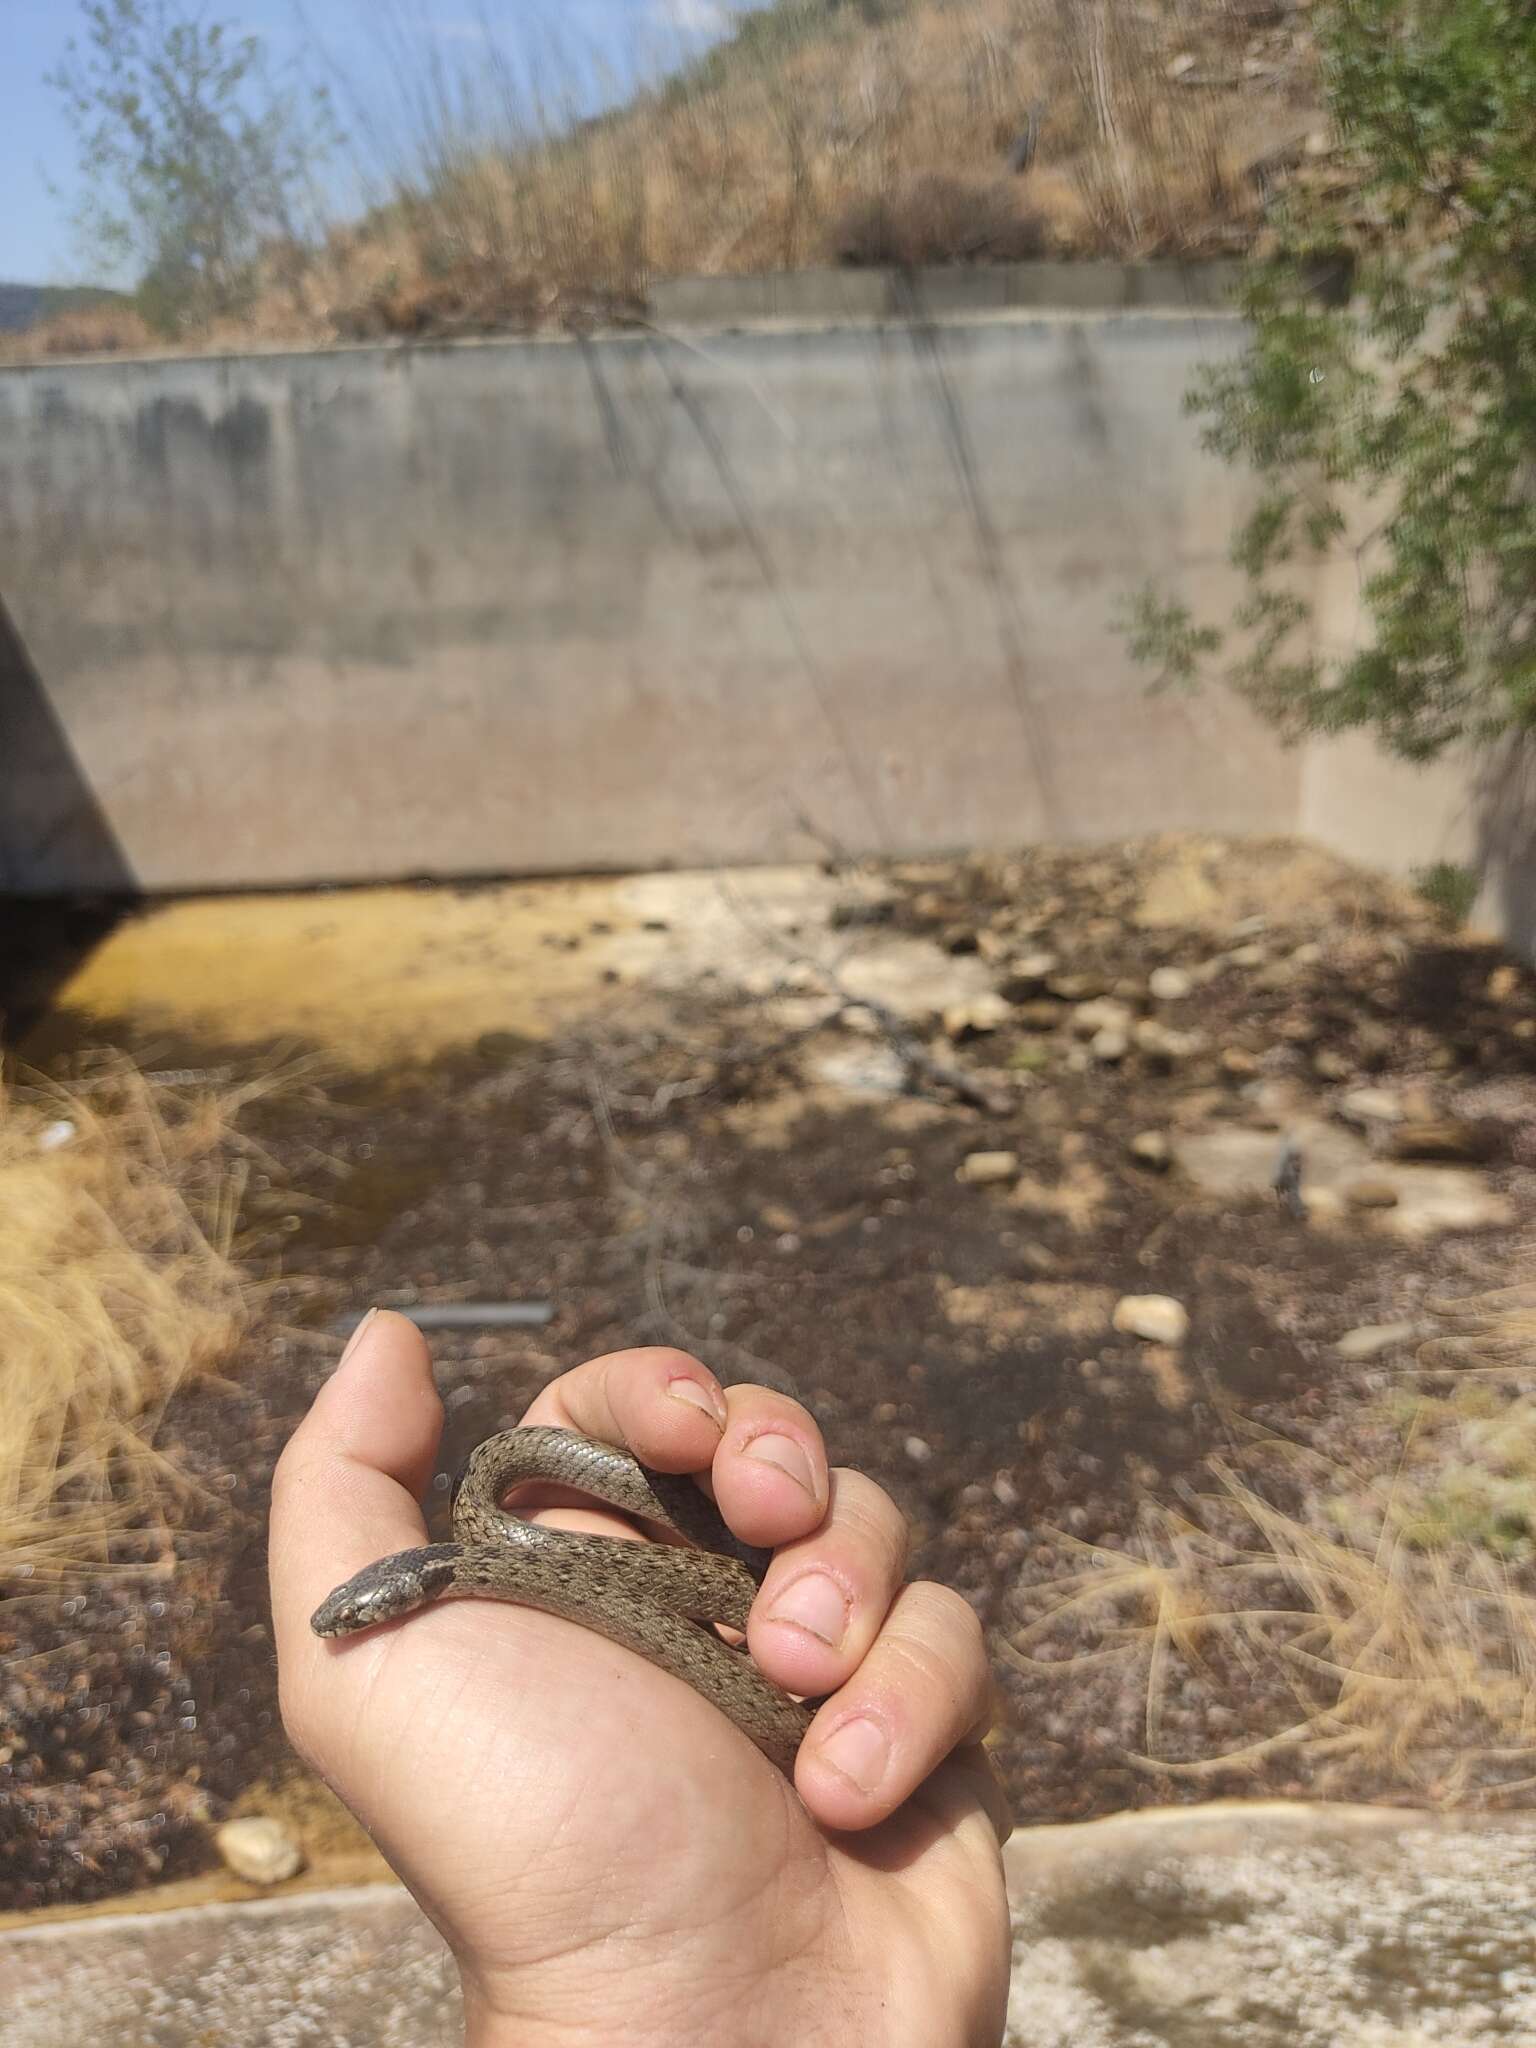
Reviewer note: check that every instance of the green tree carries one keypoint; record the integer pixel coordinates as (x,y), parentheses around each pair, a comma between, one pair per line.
(194,156)
(1401,426)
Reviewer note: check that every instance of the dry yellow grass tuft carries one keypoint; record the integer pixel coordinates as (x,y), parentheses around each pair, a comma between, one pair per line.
(1382,1624)
(117,1200)
(822,131)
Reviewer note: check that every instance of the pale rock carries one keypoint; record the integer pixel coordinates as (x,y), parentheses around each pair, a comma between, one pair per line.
(260,1850)
(1170,984)
(974,1019)
(1503,983)
(1367,1106)
(1110,1046)
(1028,975)
(1105,1013)
(1372,1192)
(1240,1064)
(1329,1065)
(1159,1042)
(918,1451)
(988,1169)
(1152,1149)
(1248,956)
(1155,1318)
(1371,1339)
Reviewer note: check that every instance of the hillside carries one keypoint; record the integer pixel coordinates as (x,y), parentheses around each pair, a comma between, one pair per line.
(825,131)
(25,305)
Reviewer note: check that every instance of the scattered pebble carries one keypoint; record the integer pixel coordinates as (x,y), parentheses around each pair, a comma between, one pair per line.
(1366,1106)
(1170,984)
(918,1451)
(988,1169)
(1371,1339)
(260,1850)
(1371,1193)
(1152,1149)
(1156,1318)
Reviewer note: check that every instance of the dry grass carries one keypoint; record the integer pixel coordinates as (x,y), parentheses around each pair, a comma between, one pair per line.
(116,1288)
(1384,1619)
(825,131)
(82,331)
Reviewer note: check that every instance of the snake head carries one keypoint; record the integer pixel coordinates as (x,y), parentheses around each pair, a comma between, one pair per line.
(392,1587)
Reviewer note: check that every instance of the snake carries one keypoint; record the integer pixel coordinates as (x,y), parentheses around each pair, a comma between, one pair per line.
(656,1599)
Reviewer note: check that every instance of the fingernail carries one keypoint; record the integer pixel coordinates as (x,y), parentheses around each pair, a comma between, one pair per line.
(705,1399)
(784,1452)
(356,1338)
(818,1605)
(861,1751)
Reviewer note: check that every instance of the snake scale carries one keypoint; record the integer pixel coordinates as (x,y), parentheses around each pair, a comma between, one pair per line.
(655,1599)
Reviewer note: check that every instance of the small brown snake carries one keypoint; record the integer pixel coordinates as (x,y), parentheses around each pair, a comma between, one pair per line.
(655,1599)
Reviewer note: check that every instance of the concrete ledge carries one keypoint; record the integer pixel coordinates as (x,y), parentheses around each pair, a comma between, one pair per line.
(837,294)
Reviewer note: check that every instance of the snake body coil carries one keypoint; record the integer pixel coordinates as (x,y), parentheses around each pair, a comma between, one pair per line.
(654,1599)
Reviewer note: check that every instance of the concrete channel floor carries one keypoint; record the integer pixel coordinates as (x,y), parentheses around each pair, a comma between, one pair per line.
(1218,1927)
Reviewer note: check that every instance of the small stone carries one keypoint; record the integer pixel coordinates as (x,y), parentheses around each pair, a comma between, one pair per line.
(1104,1013)
(1043,1014)
(1503,983)
(53,1137)
(1371,1339)
(261,1851)
(1152,1149)
(1077,988)
(1371,1193)
(1329,1065)
(988,1169)
(1028,976)
(1308,955)
(1443,1138)
(1248,956)
(1182,65)
(1367,1106)
(1240,1064)
(1110,1046)
(1004,1492)
(918,1451)
(1159,1042)
(1156,1318)
(982,1014)
(1170,984)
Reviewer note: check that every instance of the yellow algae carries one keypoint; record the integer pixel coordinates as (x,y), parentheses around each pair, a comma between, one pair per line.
(375,976)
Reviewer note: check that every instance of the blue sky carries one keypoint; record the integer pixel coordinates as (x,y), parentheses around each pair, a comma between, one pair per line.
(603,44)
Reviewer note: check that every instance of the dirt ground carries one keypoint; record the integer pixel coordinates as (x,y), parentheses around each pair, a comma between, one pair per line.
(740,1122)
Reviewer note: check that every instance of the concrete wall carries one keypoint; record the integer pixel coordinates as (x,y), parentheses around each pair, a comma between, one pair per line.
(621,601)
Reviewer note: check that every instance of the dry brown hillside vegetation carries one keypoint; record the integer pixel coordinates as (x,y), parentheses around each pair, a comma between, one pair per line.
(822,132)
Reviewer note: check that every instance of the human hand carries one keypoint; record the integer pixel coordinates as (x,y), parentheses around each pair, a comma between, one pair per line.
(609,1858)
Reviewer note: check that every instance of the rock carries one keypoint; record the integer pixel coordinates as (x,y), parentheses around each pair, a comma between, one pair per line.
(1373,1043)
(976,1017)
(1151,1149)
(1170,984)
(1443,1139)
(1371,1339)
(1159,1042)
(1329,1065)
(918,1451)
(53,1137)
(1367,1106)
(1372,1192)
(1102,1014)
(1308,955)
(1110,1046)
(1182,65)
(1240,1064)
(261,1851)
(1156,1318)
(1248,956)
(1043,1014)
(988,1169)
(1503,983)
(1028,976)
(862,1069)
(1077,988)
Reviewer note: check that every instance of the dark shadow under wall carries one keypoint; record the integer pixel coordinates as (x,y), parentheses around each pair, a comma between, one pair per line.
(64,878)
